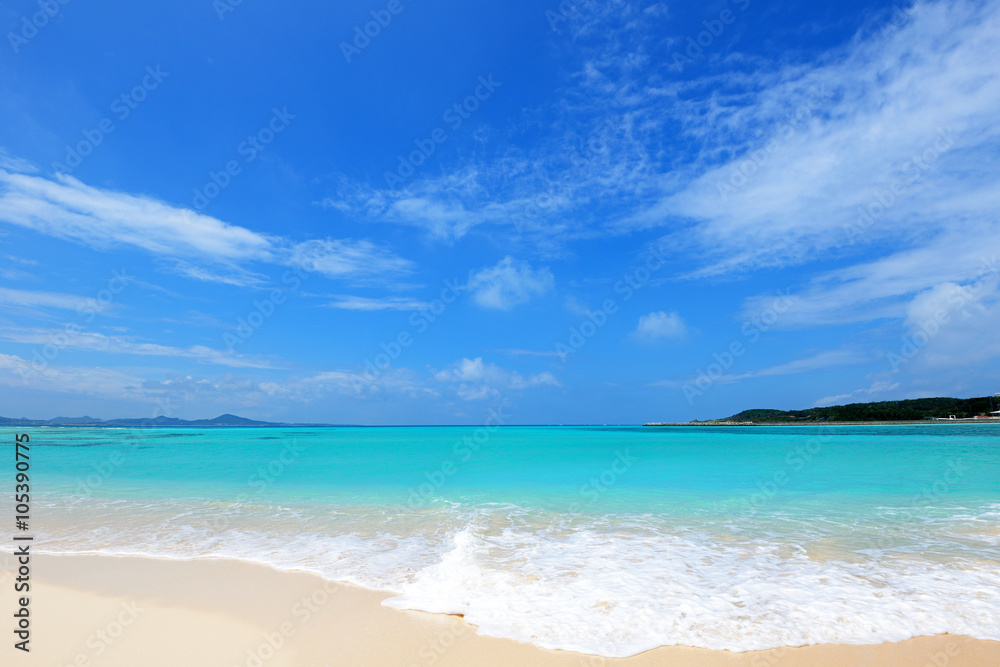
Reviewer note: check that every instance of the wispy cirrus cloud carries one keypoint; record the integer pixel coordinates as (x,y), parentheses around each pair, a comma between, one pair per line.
(347,302)
(344,258)
(518,352)
(446,207)
(820,361)
(885,287)
(877,158)
(197,245)
(10,163)
(59,300)
(66,208)
(885,138)
(872,149)
(878,387)
(72,339)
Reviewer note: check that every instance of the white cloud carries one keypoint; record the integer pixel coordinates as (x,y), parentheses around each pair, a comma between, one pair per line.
(816,362)
(477,380)
(877,387)
(883,144)
(537,194)
(347,302)
(508,284)
(632,145)
(912,111)
(446,207)
(68,209)
(107,383)
(339,258)
(822,360)
(950,332)
(398,381)
(59,300)
(11,163)
(227,275)
(823,143)
(445,220)
(884,287)
(660,325)
(156,390)
(68,338)
(519,352)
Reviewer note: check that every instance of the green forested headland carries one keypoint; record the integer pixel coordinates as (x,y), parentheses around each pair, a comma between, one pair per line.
(908,410)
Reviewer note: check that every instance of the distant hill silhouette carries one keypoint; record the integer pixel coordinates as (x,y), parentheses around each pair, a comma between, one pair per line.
(221,420)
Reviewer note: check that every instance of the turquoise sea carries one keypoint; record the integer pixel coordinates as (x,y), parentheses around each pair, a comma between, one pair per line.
(606,540)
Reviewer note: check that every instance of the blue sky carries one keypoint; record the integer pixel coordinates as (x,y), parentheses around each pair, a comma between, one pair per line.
(406,212)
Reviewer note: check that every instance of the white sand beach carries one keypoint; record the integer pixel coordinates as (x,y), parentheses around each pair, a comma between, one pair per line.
(97,611)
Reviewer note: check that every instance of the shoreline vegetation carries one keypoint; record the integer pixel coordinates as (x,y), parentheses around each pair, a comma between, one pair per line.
(127,610)
(912,411)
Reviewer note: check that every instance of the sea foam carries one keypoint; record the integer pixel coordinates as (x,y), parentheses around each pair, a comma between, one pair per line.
(607,585)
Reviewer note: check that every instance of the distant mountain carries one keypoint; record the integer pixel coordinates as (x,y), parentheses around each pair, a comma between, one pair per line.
(908,410)
(221,420)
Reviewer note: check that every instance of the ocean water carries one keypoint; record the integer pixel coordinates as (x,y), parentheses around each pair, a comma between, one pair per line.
(604,540)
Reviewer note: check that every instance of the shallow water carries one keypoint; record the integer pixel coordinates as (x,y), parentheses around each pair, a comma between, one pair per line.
(608,540)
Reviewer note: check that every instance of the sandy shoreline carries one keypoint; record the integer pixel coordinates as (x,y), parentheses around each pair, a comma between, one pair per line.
(106,610)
